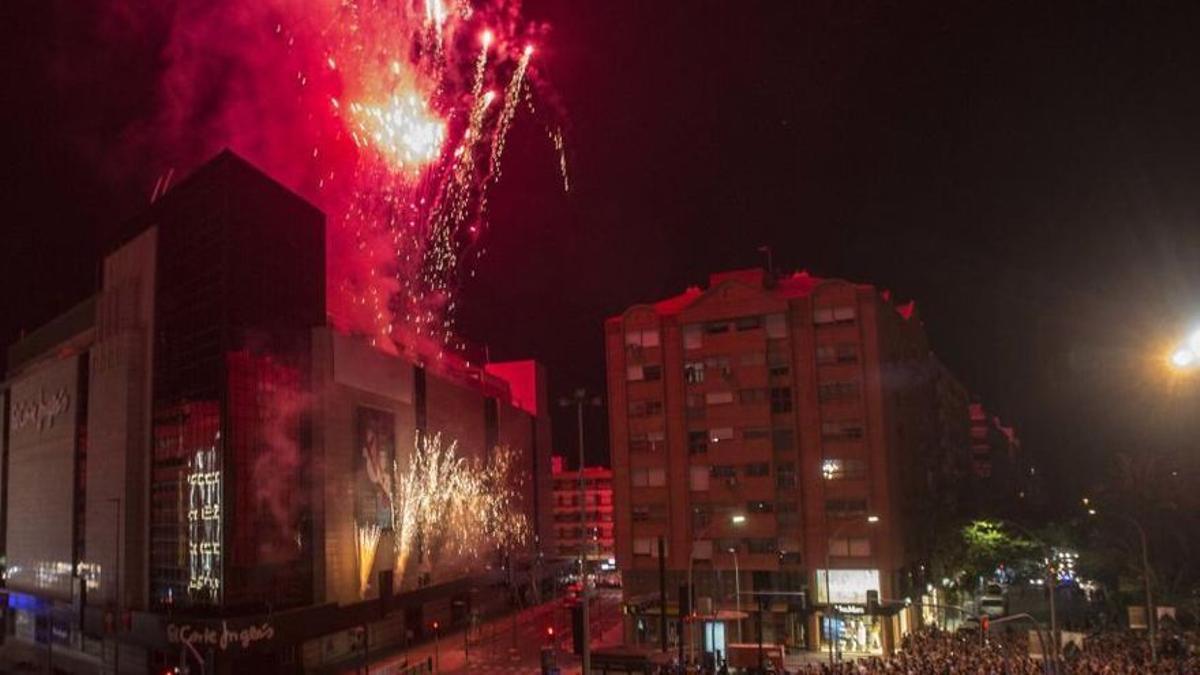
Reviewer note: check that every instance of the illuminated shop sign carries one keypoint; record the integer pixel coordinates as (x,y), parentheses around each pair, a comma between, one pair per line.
(220,636)
(204,525)
(846,586)
(850,609)
(42,411)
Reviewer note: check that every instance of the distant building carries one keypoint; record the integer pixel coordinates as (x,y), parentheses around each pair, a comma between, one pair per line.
(1002,477)
(587,526)
(761,424)
(193,455)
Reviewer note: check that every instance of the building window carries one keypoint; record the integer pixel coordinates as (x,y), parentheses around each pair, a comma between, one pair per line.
(646,547)
(699,478)
(748,323)
(758,469)
(755,433)
(692,336)
(645,408)
(841,430)
(694,406)
(752,396)
(824,316)
(721,434)
(701,516)
(826,354)
(760,507)
(845,508)
(697,442)
(850,547)
(642,338)
(787,507)
(720,364)
(634,373)
(761,546)
(718,397)
(639,443)
(652,373)
(843,469)
(651,441)
(776,326)
(752,359)
(783,440)
(716,327)
(693,372)
(837,390)
(847,353)
(723,471)
(728,545)
(652,477)
(785,475)
(781,399)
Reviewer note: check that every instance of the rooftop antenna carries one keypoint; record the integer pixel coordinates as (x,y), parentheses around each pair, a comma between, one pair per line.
(770,259)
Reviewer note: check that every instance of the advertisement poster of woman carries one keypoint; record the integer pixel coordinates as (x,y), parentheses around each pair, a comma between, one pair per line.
(376,451)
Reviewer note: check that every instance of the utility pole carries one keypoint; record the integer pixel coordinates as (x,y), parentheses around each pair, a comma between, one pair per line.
(662,594)
(119,619)
(579,399)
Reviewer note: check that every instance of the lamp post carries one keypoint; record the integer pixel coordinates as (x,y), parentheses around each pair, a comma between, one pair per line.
(1151,619)
(579,399)
(737,591)
(870,520)
(117,586)
(737,519)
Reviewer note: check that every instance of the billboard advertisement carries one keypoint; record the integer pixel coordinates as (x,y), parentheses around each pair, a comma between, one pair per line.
(846,586)
(375,454)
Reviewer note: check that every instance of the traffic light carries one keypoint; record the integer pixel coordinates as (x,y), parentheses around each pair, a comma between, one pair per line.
(550,633)
(984,623)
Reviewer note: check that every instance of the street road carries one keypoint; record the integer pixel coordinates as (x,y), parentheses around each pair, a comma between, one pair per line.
(512,644)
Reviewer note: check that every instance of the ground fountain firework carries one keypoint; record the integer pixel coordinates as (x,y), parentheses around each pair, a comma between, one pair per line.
(449,509)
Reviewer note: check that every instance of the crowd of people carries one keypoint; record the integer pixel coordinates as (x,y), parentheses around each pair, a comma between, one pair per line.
(942,653)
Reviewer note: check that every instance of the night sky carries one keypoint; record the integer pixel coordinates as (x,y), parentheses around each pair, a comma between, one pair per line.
(1030,174)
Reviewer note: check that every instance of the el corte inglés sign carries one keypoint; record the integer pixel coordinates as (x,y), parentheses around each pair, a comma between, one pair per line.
(220,637)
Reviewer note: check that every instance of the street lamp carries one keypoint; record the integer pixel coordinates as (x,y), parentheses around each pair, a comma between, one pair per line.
(580,398)
(870,520)
(1186,355)
(1151,619)
(736,519)
(737,590)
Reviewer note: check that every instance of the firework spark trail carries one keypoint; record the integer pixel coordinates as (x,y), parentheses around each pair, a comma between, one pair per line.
(390,116)
(556,137)
(414,103)
(512,96)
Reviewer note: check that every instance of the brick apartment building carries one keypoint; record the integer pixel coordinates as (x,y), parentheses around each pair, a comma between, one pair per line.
(588,526)
(764,423)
